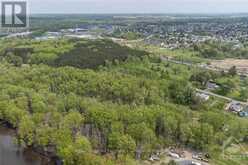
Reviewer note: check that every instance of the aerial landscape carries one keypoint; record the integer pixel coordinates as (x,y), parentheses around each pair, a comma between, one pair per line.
(135,88)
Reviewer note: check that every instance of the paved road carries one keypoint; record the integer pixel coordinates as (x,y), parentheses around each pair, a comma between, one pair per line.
(189,162)
(164,58)
(220,96)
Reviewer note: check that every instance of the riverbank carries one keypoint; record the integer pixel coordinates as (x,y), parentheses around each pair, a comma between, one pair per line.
(11,153)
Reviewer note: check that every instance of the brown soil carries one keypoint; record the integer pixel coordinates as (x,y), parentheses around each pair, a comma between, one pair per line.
(241,64)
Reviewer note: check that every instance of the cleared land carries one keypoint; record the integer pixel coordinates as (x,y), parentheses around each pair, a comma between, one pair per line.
(241,64)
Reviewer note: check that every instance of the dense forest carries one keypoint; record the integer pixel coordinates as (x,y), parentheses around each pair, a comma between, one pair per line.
(98,103)
(66,52)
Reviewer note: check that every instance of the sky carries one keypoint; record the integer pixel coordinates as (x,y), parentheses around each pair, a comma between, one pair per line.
(138,6)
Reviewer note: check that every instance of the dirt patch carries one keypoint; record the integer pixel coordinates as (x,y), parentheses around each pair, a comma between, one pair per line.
(241,64)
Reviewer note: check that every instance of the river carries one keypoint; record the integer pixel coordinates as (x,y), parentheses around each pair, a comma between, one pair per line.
(11,154)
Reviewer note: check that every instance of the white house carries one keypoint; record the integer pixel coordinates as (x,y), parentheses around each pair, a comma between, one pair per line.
(202,96)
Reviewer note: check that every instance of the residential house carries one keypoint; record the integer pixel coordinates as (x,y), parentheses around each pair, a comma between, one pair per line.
(203,96)
(236,107)
(212,85)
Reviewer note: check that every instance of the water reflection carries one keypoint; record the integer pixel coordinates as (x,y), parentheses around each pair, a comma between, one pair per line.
(11,154)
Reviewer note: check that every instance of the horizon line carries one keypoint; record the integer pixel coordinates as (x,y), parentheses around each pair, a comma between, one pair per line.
(146,13)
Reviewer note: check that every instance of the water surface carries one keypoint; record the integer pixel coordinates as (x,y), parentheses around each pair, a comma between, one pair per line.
(11,154)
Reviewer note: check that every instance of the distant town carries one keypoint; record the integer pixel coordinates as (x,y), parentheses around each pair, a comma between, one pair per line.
(166,31)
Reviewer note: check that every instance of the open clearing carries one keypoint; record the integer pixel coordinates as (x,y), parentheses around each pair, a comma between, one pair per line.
(241,64)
